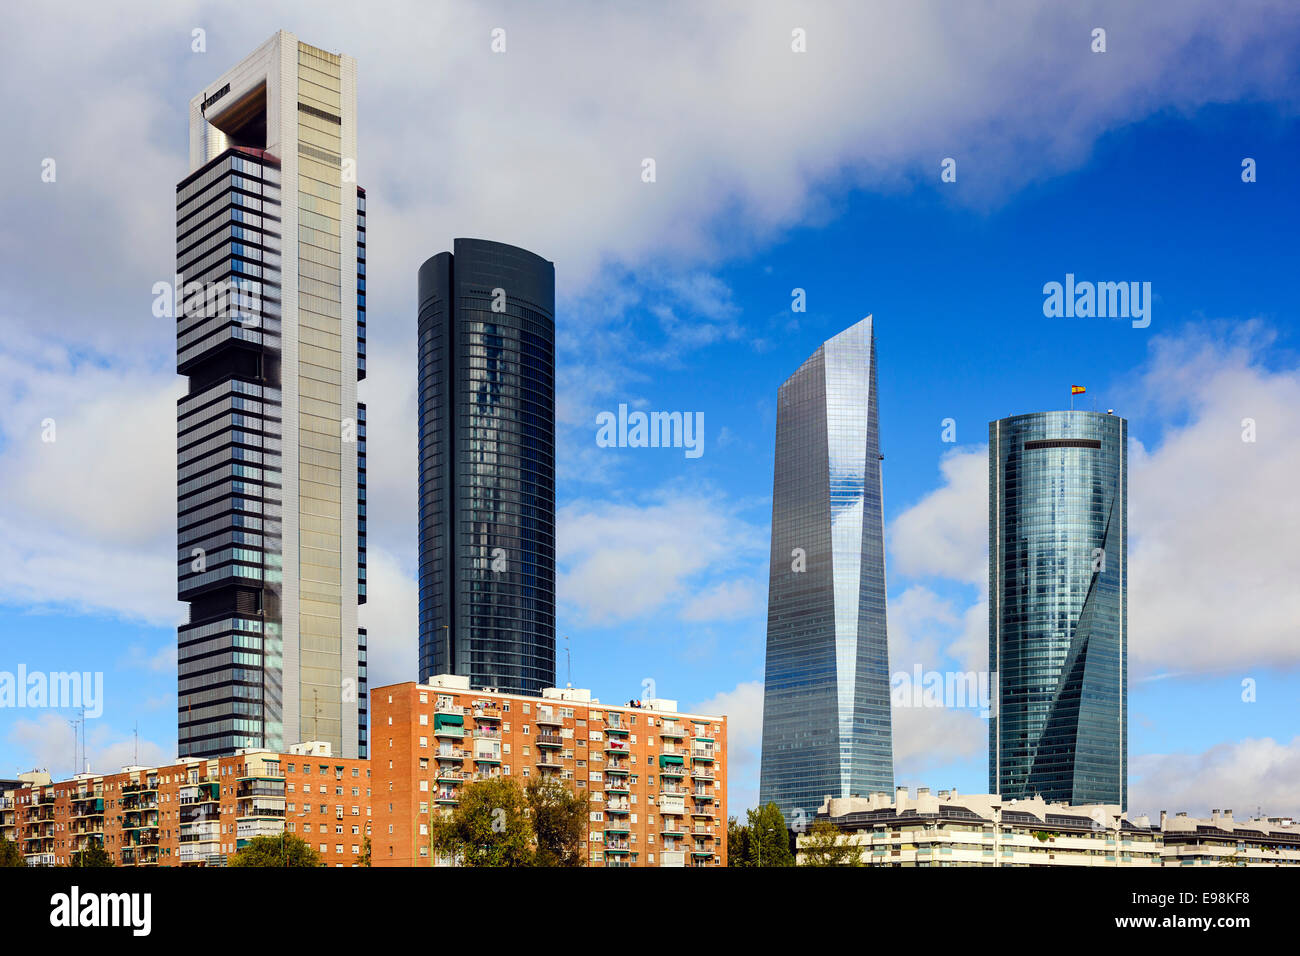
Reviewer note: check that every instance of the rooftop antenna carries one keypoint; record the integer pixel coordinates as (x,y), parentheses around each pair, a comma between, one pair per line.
(568,662)
(76,761)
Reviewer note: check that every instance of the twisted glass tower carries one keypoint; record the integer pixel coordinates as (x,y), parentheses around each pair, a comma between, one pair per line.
(487,466)
(1058,613)
(826,717)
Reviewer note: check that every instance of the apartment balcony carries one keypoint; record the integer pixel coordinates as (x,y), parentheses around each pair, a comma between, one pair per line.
(673,731)
(487,712)
(673,831)
(549,759)
(619,829)
(703,796)
(447,707)
(549,740)
(449,732)
(450,753)
(702,832)
(618,806)
(93,807)
(246,830)
(617,747)
(621,847)
(40,859)
(618,728)
(616,786)
(198,793)
(486,733)
(446,797)
(6,803)
(548,718)
(443,774)
(672,858)
(705,755)
(260,807)
(673,770)
(702,773)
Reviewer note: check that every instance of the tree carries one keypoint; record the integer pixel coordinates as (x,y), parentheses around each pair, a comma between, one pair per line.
(364,858)
(823,847)
(740,850)
(769,838)
(93,856)
(283,850)
(489,827)
(10,855)
(559,817)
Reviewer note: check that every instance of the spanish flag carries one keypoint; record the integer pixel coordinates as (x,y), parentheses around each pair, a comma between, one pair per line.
(1077,389)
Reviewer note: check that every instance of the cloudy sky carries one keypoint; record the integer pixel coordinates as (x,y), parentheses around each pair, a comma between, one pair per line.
(776,170)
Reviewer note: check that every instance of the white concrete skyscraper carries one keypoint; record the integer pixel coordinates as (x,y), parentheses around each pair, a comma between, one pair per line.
(270,249)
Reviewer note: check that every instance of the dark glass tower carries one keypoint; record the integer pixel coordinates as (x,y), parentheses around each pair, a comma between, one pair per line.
(1058,612)
(487,466)
(826,717)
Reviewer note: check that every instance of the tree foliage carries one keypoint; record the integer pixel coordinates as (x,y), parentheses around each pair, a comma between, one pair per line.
(285,850)
(740,851)
(10,855)
(490,826)
(823,846)
(769,837)
(93,856)
(559,817)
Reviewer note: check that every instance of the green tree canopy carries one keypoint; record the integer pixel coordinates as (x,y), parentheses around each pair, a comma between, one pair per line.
(284,850)
(824,847)
(10,855)
(739,844)
(559,817)
(769,837)
(93,856)
(490,826)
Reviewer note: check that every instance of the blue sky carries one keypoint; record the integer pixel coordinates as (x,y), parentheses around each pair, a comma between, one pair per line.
(676,296)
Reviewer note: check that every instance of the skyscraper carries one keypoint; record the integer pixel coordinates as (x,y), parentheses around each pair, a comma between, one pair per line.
(487,467)
(1058,611)
(826,716)
(270,260)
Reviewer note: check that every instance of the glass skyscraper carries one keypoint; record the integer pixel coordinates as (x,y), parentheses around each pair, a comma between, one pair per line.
(270,313)
(1058,612)
(487,466)
(826,716)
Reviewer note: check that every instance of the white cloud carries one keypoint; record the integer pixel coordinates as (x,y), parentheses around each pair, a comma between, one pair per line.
(391,617)
(89,516)
(46,743)
(1242,775)
(945,534)
(743,706)
(927,737)
(623,561)
(725,601)
(1214,520)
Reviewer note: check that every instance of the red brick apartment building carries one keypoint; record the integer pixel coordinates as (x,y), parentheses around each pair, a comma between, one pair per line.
(197,812)
(656,778)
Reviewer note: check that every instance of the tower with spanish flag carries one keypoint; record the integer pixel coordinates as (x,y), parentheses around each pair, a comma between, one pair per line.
(1058,612)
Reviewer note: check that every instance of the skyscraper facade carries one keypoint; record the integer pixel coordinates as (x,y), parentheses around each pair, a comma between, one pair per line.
(826,706)
(270,250)
(1058,611)
(487,467)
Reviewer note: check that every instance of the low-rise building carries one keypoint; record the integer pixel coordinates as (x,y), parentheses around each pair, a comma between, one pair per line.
(1222,841)
(656,778)
(199,811)
(952,829)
